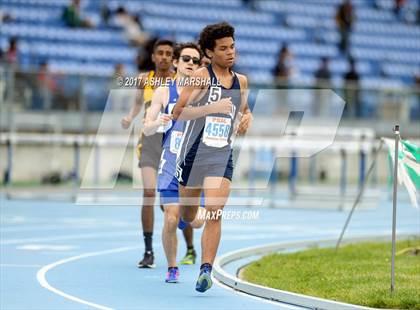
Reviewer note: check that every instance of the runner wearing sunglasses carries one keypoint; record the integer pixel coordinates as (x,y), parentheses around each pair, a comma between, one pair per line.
(149,150)
(187,58)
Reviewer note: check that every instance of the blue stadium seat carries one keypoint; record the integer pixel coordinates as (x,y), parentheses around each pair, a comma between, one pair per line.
(307,26)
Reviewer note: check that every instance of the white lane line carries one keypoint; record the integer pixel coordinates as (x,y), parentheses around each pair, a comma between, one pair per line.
(70,237)
(242,236)
(41,275)
(17,265)
(36,228)
(46,247)
(43,227)
(64,224)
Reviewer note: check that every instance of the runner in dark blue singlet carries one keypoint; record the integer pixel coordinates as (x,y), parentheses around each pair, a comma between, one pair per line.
(214,112)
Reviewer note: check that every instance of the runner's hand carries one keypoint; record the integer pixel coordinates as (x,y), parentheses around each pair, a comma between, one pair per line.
(245,123)
(126,122)
(223,106)
(165,119)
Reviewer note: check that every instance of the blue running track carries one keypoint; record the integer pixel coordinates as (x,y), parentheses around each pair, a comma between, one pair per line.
(66,256)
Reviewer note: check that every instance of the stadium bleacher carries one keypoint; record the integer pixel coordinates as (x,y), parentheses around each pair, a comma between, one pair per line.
(307,26)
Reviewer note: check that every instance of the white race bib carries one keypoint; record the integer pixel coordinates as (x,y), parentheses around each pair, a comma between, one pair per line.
(176,137)
(216,131)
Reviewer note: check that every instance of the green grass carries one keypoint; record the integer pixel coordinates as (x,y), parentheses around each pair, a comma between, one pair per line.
(358,274)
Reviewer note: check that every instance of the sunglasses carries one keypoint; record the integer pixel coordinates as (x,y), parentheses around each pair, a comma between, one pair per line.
(186,58)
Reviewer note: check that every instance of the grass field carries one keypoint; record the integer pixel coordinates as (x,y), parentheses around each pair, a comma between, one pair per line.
(358,274)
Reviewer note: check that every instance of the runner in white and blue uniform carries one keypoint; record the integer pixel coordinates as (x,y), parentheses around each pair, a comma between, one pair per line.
(187,58)
(212,111)
(167,183)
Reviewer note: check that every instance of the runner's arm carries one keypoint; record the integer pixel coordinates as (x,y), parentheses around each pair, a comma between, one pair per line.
(247,117)
(137,104)
(182,109)
(152,120)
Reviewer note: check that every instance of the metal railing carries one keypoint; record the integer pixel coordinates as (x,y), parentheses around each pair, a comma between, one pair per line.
(77,95)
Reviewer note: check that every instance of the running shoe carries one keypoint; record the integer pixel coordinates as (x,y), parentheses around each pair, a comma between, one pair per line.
(172,275)
(147,261)
(189,258)
(204,281)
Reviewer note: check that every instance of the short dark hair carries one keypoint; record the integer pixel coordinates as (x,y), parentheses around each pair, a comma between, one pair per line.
(162,42)
(43,63)
(211,33)
(121,10)
(180,47)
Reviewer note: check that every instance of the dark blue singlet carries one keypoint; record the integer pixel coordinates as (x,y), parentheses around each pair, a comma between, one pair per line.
(206,146)
(207,140)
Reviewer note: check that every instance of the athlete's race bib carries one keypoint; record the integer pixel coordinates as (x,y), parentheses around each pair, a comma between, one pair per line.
(216,131)
(176,137)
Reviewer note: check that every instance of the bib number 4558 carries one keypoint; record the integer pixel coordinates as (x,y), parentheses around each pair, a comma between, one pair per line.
(216,131)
